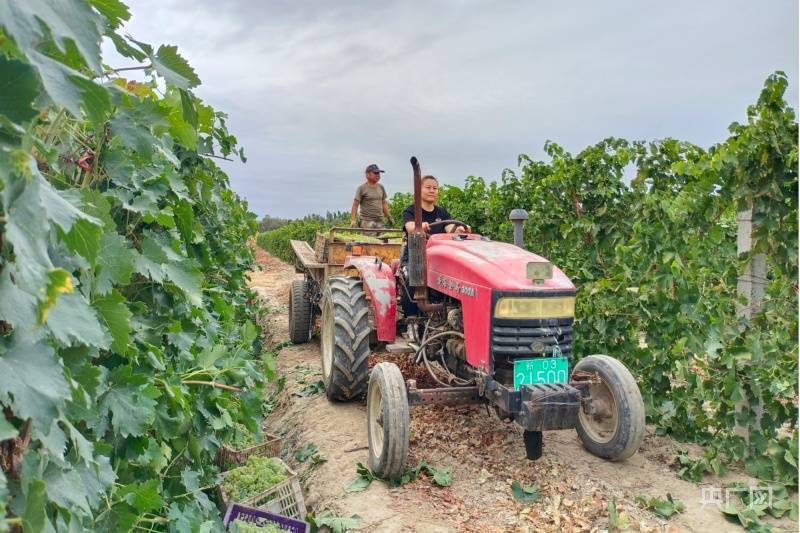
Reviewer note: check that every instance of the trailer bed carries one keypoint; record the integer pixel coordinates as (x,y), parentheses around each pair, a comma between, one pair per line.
(305,255)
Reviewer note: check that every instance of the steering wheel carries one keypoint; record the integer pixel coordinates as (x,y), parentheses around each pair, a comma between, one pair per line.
(447,222)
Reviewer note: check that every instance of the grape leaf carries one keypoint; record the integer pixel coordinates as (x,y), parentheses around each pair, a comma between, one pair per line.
(59,282)
(18,90)
(130,409)
(525,494)
(26,230)
(134,135)
(58,208)
(143,496)
(64,488)
(188,109)
(35,518)
(191,480)
(17,307)
(114,11)
(31,380)
(359,484)
(661,507)
(84,239)
(83,446)
(337,524)
(73,321)
(96,478)
(66,20)
(304,452)
(117,318)
(442,476)
(71,89)
(115,262)
(55,441)
(187,278)
(174,68)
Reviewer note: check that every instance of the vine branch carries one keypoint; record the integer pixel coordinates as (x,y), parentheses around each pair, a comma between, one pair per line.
(211,384)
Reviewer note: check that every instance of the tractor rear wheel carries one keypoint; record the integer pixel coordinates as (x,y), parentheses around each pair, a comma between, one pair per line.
(344,338)
(299,313)
(615,427)
(388,422)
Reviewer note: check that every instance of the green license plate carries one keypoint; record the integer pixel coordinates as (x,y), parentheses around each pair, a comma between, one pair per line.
(542,370)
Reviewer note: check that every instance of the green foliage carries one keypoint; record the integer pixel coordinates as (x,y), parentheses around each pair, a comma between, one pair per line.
(748,504)
(336,524)
(276,241)
(656,267)
(123,298)
(693,469)
(254,477)
(661,507)
(523,493)
(304,452)
(442,477)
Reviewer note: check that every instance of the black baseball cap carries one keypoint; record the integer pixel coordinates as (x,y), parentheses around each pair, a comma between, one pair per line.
(374,168)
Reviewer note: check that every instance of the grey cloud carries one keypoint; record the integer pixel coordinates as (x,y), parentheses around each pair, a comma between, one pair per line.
(316,90)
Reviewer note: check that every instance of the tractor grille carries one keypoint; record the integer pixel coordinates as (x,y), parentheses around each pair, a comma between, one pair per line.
(515,339)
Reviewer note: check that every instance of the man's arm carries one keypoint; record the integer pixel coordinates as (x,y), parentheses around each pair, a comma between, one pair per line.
(353,212)
(387,213)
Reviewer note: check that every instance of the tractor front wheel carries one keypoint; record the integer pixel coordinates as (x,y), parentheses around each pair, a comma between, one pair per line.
(388,422)
(299,313)
(614,428)
(344,338)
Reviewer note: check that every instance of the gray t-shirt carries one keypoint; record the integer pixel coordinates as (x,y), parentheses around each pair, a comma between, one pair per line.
(370,200)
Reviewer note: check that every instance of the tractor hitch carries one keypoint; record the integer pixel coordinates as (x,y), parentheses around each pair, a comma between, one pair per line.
(442,395)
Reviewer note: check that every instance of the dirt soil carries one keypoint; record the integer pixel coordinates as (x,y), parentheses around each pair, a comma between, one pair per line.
(485,453)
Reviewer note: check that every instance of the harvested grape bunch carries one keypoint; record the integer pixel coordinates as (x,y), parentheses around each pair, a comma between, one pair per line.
(254,477)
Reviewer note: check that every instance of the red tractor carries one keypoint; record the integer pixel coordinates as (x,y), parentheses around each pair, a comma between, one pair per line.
(495,326)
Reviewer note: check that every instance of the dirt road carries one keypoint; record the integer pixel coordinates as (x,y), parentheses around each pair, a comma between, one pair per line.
(486,456)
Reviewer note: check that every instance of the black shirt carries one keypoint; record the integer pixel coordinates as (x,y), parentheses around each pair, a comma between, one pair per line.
(438,214)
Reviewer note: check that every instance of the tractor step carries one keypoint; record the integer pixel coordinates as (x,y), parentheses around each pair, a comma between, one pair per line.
(400,347)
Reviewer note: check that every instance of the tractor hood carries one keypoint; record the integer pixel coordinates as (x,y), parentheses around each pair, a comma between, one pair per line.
(495,265)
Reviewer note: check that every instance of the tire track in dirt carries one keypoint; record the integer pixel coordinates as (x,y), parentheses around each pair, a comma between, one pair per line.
(486,455)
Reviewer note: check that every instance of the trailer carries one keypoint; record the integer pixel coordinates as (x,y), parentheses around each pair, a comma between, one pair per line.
(329,257)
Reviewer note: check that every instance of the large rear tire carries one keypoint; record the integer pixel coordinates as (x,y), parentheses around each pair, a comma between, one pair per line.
(615,429)
(344,338)
(388,422)
(299,313)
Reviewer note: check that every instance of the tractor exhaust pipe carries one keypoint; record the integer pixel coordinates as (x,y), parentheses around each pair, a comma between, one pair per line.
(417,271)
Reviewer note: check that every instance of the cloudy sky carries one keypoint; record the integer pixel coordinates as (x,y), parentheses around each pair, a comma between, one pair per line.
(316,90)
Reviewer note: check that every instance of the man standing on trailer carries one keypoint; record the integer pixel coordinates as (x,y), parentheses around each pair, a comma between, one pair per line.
(370,201)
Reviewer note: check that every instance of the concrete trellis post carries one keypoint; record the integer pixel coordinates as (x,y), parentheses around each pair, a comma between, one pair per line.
(751,284)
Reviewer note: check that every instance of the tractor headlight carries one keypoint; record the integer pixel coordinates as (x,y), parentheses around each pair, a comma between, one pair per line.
(535,308)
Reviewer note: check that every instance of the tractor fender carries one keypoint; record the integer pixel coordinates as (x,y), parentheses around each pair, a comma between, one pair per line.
(380,286)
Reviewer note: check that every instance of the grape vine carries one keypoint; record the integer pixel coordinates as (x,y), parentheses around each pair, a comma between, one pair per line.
(656,265)
(128,350)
